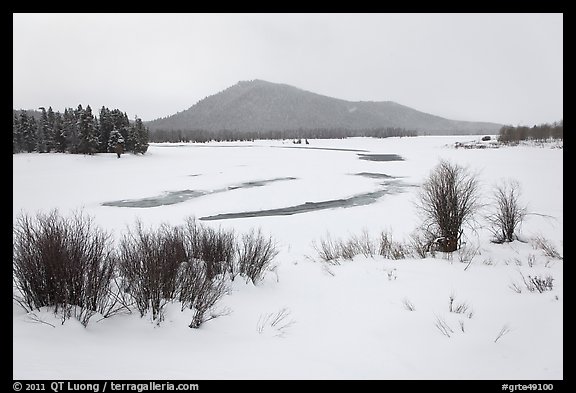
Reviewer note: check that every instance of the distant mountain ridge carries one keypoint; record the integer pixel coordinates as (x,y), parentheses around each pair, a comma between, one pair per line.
(259,105)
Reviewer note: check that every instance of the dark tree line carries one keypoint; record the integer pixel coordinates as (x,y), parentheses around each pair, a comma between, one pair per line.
(162,135)
(510,134)
(77,131)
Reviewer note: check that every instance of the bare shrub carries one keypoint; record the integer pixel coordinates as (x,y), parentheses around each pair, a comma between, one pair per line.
(159,266)
(348,249)
(332,251)
(279,322)
(537,283)
(449,199)
(118,300)
(255,253)
(420,245)
(215,247)
(507,214)
(149,262)
(546,246)
(364,244)
(197,291)
(328,250)
(467,253)
(65,263)
(391,249)
(458,308)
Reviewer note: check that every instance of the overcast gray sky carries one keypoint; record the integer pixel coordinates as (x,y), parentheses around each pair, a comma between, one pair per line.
(504,68)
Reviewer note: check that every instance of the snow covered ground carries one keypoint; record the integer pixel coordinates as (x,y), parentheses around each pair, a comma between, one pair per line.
(346,321)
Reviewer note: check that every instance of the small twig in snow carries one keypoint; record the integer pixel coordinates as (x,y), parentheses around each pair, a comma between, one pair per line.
(277,321)
(408,305)
(34,318)
(443,327)
(505,329)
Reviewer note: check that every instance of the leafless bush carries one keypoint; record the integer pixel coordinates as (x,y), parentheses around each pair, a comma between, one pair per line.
(420,245)
(149,262)
(458,308)
(159,266)
(332,251)
(65,263)
(385,245)
(546,246)
(215,247)
(363,244)
(542,283)
(449,199)
(507,214)
(391,249)
(328,250)
(255,252)
(197,291)
(118,300)
(467,253)
(537,283)
(278,322)
(347,249)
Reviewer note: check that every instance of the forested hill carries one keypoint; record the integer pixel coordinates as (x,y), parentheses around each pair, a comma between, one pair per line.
(257,105)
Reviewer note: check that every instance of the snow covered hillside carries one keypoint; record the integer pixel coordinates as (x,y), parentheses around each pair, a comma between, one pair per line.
(471,316)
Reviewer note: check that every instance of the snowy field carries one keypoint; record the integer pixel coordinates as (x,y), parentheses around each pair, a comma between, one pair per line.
(346,321)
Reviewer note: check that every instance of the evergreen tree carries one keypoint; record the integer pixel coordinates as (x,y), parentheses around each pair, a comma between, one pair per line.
(42,134)
(51,118)
(125,131)
(16,135)
(115,139)
(87,131)
(106,127)
(77,131)
(120,122)
(138,137)
(143,136)
(60,142)
(558,130)
(27,132)
(70,130)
